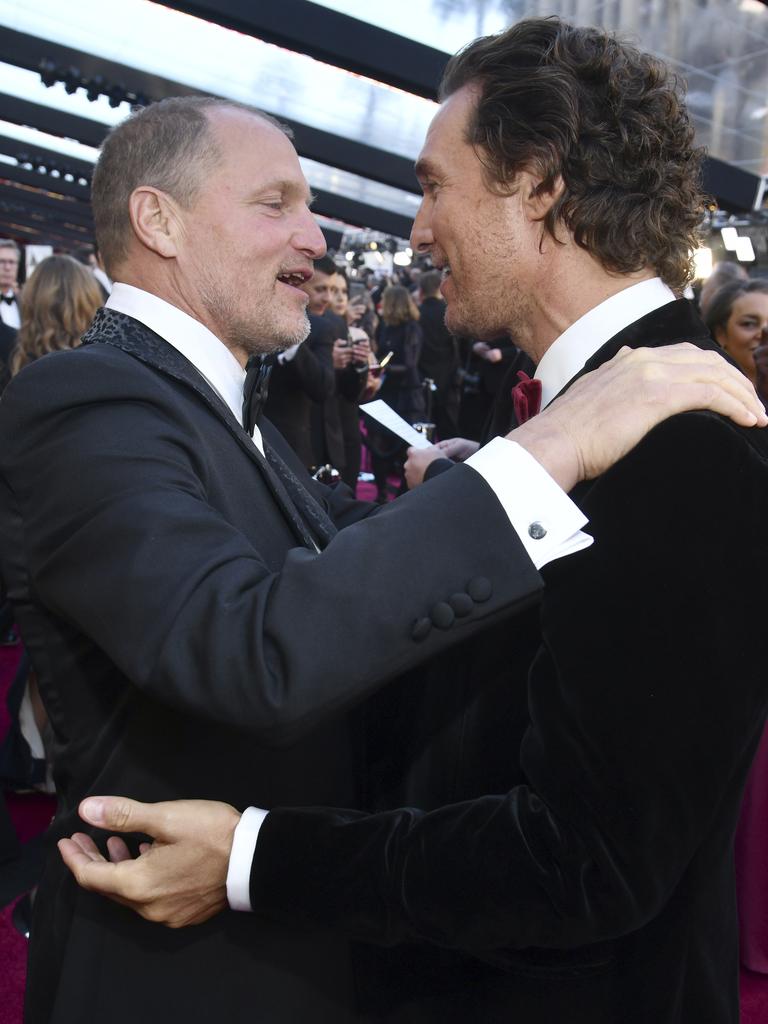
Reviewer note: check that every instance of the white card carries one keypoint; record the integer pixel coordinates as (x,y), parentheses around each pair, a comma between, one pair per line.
(387,417)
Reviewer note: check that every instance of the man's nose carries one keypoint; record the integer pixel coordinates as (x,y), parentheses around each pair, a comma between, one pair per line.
(422,239)
(309,238)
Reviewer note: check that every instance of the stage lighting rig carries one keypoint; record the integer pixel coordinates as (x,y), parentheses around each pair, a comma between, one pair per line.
(116,92)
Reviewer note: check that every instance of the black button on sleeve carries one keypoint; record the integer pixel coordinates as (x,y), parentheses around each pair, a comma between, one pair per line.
(479,589)
(462,604)
(421,629)
(443,615)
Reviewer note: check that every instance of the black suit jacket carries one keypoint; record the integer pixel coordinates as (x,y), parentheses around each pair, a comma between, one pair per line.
(581,870)
(187,643)
(299,387)
(7,345)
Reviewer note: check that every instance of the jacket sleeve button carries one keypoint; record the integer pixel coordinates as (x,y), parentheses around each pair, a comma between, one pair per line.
(442,615)
(462,604)
(479,589)
(421,629)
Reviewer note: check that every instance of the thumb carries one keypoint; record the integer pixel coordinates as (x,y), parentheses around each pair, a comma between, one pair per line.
(119,814)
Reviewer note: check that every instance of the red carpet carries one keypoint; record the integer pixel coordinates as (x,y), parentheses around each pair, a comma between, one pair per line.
(13,954)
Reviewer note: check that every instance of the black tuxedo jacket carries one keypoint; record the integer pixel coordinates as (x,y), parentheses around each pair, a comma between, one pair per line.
(187,643)
(299,387)
(574,862)
(7,345)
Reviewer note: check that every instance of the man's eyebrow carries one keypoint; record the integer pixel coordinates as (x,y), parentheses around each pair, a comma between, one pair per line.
(424,169)
(286,187)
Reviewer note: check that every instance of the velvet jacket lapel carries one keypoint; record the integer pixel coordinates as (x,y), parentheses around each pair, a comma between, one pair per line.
(132,337)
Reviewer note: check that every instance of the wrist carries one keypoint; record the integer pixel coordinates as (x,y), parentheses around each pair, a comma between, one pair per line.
(553,447)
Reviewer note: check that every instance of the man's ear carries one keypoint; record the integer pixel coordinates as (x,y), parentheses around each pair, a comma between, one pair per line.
(538,200)
(155,220)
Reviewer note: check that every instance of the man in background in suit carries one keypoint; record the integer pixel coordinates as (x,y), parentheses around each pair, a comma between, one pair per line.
(10,254)
(575,862)
(439,358)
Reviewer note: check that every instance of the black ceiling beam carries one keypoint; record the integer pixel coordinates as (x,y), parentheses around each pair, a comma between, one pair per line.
(45,182)
(324,147)
(27,51)
(735,189)
(61,209)
(14,148)
(52,121)
(329,204)
(38,233)
(32,214)
(330,37)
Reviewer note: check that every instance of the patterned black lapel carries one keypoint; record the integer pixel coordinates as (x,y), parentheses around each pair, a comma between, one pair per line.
(307,519)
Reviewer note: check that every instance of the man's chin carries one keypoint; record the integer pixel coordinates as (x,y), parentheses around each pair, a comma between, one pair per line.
(461,322)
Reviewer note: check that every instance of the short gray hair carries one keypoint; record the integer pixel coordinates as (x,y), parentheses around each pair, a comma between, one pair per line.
(8,243)
(168,145)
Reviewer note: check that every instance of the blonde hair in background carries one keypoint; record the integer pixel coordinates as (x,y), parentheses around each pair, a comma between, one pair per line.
(58,303)
(397,306)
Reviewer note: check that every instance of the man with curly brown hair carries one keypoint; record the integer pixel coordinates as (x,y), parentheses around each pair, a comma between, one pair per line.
(572,860)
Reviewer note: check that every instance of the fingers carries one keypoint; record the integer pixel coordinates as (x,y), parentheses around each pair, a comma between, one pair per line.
(683,377)
(118,851)
(691,395)
(119,814)
(92,873)
(86,846)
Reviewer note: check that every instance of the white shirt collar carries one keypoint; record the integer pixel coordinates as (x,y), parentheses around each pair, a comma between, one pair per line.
(210,356)
(566,356)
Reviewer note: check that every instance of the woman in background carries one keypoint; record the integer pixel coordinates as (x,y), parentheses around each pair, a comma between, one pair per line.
(399,341)
(58,303)
(737,318)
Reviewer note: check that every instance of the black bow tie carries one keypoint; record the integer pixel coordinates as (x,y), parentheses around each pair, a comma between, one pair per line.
(255,390)
(10,299)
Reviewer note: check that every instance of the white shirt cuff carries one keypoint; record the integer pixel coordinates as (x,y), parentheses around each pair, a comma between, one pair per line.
(288,354)
(241,858)
(543,516)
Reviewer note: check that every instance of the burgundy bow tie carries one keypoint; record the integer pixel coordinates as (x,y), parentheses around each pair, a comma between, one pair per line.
(526,397)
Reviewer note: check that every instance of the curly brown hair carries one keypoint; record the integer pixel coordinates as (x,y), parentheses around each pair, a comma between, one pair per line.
(58,303)
(578,103)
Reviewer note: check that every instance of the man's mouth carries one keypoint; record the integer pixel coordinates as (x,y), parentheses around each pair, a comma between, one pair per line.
(294,278)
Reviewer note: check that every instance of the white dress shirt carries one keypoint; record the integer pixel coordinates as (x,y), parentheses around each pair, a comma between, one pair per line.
(210,356)
(9,311)
(526,491)
(566,356)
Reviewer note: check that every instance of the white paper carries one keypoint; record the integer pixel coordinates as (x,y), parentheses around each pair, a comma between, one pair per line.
(387,417)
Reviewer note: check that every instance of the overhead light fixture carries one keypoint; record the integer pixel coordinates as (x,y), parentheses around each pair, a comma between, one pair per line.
(72,80)
(48,72)
(744,250)
(402,259)
(350,255)
(730,237)
(702,261)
